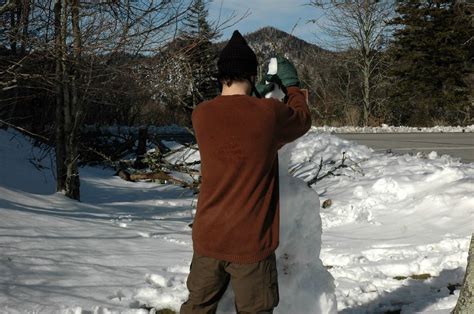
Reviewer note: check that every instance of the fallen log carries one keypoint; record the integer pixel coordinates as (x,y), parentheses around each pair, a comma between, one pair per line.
(124,175)
(152,176)
(159,175)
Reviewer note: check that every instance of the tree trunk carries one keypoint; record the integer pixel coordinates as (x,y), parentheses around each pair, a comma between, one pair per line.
(68,113)
(465,304)
(13,25)
(60,134)
(366,64)
(366,94)
(73,110)
(25,17)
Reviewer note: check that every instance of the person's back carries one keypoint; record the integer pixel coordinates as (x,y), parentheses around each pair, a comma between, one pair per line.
(238,138)
(236,227)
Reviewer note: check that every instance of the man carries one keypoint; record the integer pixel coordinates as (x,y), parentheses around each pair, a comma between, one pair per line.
(236,228)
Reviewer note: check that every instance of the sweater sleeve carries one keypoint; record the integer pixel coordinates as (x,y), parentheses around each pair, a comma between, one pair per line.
(294,118)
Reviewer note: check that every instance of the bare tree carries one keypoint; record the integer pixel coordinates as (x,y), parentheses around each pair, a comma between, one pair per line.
(84,56)
(359,27)
(69,57)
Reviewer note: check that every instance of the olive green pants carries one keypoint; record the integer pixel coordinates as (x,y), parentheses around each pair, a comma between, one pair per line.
(255,285)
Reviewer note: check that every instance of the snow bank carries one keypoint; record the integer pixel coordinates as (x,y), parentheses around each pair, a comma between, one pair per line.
(392,218)
(384,128)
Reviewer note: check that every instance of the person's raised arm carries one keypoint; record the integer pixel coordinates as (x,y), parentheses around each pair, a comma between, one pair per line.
(293,118)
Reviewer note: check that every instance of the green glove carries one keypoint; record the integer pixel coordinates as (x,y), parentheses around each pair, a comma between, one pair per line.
(264,89)
(286,73)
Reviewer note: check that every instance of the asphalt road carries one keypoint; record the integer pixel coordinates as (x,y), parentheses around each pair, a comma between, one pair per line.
(455,144)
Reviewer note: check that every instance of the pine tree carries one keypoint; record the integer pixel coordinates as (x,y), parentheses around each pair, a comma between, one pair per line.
(431,57)
(201,54)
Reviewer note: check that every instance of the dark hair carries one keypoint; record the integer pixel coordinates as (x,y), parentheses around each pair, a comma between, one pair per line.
(228,79)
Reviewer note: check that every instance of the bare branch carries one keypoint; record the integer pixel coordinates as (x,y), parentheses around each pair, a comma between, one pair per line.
(9,5)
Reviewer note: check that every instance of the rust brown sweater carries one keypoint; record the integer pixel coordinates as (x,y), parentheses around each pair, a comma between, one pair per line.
(237,218)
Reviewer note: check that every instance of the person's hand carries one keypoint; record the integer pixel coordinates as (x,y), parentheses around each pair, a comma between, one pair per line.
(264,88)
(286,74)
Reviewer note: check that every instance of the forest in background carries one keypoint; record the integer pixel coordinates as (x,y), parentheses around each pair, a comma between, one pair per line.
(152,62)
(66,64)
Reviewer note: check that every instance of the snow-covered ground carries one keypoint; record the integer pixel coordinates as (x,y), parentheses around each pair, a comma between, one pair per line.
(395,237)
(384,128)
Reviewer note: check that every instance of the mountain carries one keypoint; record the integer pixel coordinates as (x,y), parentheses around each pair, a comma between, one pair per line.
(269,41)
(320,71)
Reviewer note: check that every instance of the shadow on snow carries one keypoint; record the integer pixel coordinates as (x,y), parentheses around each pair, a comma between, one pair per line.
(414,296)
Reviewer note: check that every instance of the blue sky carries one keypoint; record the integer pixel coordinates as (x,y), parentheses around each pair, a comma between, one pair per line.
(282,14)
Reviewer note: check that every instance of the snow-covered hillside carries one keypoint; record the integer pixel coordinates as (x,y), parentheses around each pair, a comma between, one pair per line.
(394,238)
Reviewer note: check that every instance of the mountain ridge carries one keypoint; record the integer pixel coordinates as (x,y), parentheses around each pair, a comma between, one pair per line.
(269,41)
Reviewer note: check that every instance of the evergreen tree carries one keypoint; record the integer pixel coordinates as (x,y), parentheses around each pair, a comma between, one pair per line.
(201,54)
(432,58)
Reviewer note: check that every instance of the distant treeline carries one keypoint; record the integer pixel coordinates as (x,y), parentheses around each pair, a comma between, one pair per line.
(406,64)
(69,63)
(424,75)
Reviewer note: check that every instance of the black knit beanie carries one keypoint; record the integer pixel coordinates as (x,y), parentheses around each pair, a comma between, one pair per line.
(237,58)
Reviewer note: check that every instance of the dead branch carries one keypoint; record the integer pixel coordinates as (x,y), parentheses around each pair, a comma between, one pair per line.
(184,147)
(35,136)
(331,172)
(9,5)
(354,166)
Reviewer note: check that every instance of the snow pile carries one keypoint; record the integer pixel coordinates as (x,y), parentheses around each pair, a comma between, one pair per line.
(394,239)
(165,292)
(314,146)
(392,219)
(315,150)
(384,128)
